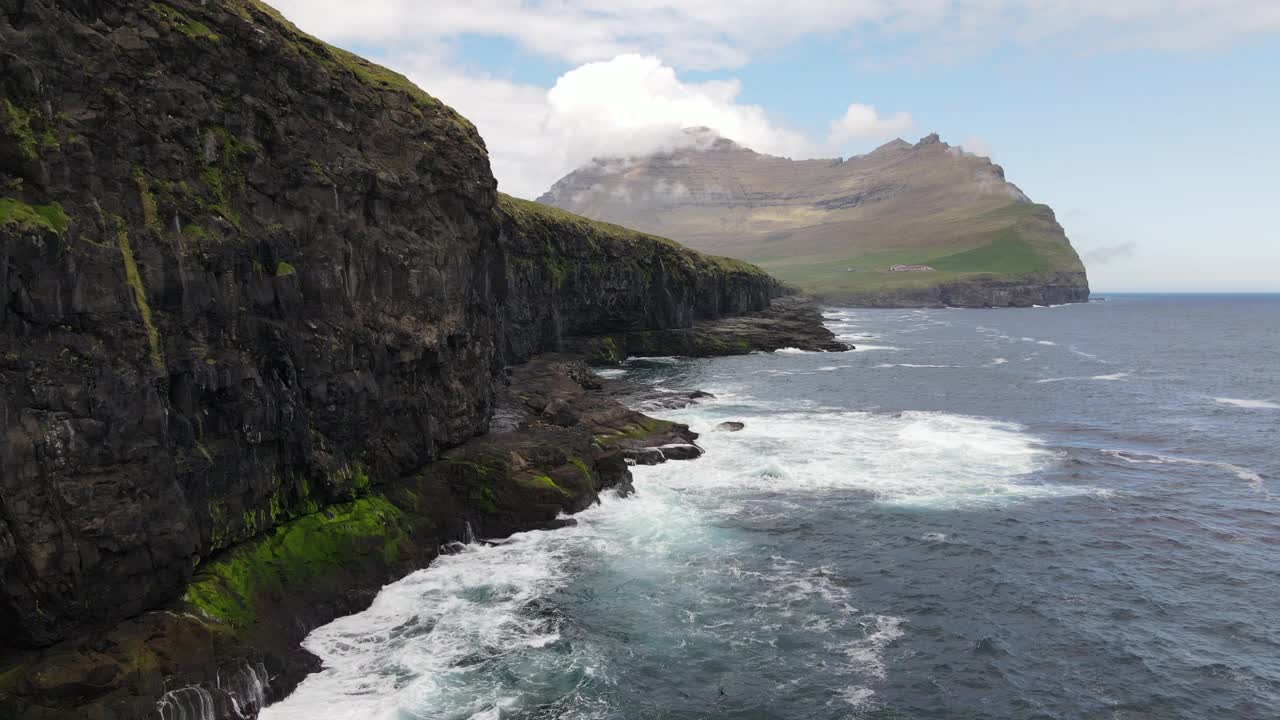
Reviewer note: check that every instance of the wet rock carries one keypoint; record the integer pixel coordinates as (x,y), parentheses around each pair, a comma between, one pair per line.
(558,412)
(788,322)
(731,426)
(645,456)
(681,452)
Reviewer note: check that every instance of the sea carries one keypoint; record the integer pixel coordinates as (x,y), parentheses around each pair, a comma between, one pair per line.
(1058,512)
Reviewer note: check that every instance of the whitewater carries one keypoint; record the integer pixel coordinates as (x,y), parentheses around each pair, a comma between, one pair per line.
(1021,514)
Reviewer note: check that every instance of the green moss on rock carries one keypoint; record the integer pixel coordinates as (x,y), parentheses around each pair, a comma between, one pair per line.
(14,212)
(150,211)
(582,467)
(17,124)
(134,279)
(545,481)
(302,552)
(635,431)
(184,24)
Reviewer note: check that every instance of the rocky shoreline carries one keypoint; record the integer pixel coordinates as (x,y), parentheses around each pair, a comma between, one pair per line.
(275,340)
(231,645)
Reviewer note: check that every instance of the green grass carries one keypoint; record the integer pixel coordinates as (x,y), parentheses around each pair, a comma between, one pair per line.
(14,212)
(1023,242)
(1007,254)
(538,219)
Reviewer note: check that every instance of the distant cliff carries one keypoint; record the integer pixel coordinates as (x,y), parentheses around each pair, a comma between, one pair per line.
(257,298)
(836,228)
(569,276)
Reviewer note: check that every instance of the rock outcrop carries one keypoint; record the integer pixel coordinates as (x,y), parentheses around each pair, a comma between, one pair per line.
(788,322)
(258,302)
(268,282)
(569,276)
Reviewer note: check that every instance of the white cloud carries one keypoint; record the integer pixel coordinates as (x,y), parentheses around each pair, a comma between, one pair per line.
(1104,254)
(628,106)
(975,145)
(637,101)
(710,34)
(862,122)
(620,100)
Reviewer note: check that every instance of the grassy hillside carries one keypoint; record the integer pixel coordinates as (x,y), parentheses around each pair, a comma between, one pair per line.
(1019,245)
(835,227)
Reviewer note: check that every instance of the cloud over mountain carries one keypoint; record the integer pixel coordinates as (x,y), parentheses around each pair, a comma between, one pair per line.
(629,105)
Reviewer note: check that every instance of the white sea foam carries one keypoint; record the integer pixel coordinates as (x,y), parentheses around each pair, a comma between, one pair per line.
(1110,377)
(1248,404)
(1250,476)
(412,648)
(471,636)
(793,351)
(610,372)
(913,365)
(908,458)
(869,348)
(478,635)
(857,696)
(997,361)
(831,368)
(867,653)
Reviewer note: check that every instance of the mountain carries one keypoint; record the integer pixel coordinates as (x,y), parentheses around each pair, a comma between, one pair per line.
(834,228)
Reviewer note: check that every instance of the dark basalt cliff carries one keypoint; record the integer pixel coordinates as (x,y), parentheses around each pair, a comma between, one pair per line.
(570,276)
(258,299)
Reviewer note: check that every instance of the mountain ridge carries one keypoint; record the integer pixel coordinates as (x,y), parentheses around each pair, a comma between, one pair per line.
(834,227)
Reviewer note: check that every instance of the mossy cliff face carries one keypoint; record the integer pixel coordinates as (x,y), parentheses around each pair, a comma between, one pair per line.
(235,266)
(256,296)
(568,276)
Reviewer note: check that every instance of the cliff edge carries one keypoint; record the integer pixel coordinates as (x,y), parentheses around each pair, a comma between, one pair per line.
(259,299)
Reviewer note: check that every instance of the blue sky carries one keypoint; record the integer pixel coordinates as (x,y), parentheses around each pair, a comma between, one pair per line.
(1150,131)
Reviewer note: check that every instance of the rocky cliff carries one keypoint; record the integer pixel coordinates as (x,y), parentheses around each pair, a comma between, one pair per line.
(257,299)
(836,228)
(569,276)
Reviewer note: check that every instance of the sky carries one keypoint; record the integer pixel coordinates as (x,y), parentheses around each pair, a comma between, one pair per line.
(1148,125)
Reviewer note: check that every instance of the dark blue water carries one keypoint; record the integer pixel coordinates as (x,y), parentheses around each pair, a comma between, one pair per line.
(1045,513)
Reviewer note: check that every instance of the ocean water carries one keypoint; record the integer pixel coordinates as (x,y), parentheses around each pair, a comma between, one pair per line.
(1065,512)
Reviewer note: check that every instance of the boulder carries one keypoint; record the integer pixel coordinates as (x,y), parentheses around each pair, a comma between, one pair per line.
(681,452)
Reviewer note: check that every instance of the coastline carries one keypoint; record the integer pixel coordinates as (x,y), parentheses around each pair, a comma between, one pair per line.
(231,645)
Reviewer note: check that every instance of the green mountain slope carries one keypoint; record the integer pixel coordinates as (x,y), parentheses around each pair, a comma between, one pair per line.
(835,228)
